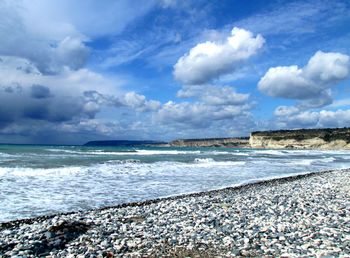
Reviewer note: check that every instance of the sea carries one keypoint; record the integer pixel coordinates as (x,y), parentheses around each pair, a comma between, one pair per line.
(44,180)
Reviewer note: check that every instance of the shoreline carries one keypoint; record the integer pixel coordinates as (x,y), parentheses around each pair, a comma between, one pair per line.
(12,223)
(302,215)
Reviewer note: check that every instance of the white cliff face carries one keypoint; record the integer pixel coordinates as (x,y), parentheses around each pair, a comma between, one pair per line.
(327,139)
(259,141)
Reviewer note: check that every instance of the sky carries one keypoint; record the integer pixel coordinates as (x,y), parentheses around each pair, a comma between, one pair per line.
(75,71)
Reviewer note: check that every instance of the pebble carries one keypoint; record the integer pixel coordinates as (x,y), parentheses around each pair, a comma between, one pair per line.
(305,217)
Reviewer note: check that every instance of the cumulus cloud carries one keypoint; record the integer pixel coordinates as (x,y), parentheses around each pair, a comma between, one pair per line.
(199,115)
(209,60)
(139,102)
(31,100)
(313,82)
(338,118)
(48,52)
(302,119)
(214,95)
(292,117)
(71,52)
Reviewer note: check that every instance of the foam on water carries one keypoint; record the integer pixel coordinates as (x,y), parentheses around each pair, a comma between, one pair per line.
(303,162)
(39,172)
(123,153)
(60,179)
(204,160)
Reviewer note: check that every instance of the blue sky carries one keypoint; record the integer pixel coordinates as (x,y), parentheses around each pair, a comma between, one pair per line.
(73,71)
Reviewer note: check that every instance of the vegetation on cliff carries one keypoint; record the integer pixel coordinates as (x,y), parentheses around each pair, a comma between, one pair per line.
(326,134)
(212,142)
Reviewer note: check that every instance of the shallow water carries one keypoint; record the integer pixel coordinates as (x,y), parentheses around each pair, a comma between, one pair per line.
(39,180)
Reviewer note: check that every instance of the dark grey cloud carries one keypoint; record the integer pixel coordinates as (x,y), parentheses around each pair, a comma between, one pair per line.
(40,92)
(34,104)
(14,88)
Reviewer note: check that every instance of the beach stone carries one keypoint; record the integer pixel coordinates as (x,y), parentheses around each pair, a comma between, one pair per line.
(271,219)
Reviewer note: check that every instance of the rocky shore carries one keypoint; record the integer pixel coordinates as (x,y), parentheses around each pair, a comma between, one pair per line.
(302,216)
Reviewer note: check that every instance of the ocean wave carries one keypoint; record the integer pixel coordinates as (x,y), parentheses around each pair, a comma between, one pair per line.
(327,160)
(204,160)
(213,164)
(270,152)
(39,172)
(6,155)
(165,152)
(303,162)
(130,161)
(126,152)
(130,166)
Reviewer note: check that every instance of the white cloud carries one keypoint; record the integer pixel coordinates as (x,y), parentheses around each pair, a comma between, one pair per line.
(327,69)
(294,118)
(209,60)
(312,82)
(214,95)
(199,115)
(308,16)
(303,119)
(339,118)
(72,52)
(139,102)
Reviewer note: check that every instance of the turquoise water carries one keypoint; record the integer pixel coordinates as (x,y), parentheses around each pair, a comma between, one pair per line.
(39,180)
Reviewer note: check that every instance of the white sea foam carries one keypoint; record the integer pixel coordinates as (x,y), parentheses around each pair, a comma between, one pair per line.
(124,153)
(130,166)
(142,174)
(327,160)
(5,155)
(303,162)
(165,152)
(124,161)
(269,152)
(206,163)
(241,154)
(39,172)
(204,160)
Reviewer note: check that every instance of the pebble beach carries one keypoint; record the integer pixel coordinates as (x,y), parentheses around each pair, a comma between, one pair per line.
(300,216)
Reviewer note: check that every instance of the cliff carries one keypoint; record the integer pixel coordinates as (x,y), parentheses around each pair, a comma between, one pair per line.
(338,138)
(242,142)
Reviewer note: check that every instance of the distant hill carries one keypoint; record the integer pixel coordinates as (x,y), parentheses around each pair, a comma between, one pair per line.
(121,143)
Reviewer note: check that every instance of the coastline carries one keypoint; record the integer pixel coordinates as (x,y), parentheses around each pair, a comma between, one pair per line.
(217,222)
(251,183)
